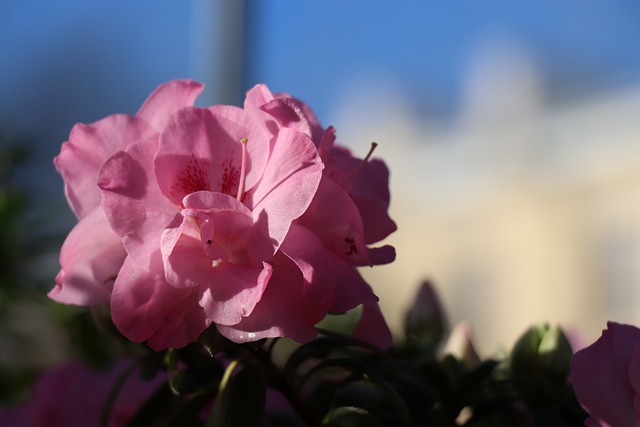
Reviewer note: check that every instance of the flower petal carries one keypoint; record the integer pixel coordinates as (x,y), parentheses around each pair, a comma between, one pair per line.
(87,149)
(288,185)
(368,185)
(372,327)
(283,311)
(329,278)
(167,99)
(288,114)
(232,292)
(201,149)
(334,217)
(132,201)
(145,307)
(600,375)
(91,257)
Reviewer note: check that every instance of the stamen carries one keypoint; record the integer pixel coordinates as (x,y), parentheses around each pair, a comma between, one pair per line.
(243,168)
(362,163)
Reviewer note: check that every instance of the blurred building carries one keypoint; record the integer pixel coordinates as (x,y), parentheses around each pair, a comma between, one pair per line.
(519,209)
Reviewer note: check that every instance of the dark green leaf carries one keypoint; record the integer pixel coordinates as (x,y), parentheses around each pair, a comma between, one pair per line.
(184,382)
(240,402)
(212,340)
(316,349)
(189,414)
(350,416)
(321,347)
(357,367)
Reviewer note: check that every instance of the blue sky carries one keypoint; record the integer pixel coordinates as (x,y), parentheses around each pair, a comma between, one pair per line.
(74,61)
(313,49)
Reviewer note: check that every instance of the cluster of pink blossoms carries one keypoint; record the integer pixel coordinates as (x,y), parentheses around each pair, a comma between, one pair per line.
(247,218)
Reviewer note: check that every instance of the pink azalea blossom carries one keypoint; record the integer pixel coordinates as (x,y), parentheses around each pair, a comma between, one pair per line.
(222,215)
(349,211)
(92,254)
(74,395)
(606,377)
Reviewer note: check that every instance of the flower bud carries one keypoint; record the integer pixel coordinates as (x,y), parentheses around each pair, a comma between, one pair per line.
(425,321)
(544,349)
(461,347)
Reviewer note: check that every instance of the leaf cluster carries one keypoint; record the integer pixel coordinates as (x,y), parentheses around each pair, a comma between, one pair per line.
(339,381)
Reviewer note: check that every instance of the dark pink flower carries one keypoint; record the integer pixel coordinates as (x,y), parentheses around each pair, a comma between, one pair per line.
(74,395)
(606,377)
(222,215)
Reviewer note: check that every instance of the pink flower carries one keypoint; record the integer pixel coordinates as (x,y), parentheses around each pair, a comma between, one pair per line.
(222,216)
(606,377)
(92,254)
(74,395)
(349,211)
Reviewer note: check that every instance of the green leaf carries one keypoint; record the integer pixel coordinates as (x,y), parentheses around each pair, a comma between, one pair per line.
(184,382)
(473,384)
(349,341)
(188,414)
(241,400)
(212,340)
(357,367)
(316,349)
(351,416)
(321,347)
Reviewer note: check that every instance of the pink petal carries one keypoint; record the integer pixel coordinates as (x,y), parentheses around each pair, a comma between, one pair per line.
(91,257)
(73,395)
(329,278)
(372,327)
(634,377)
(288,114)
(288,185)
(600,375)
(284,310)
(316,129)
(87,149)
(201,149)
(256,97)
(334,217)
(232,292)
(145,307)
(382,255)
(132,201)
(231,228)
(167,99)
(326,143)
(369,188)
(183,254)
(592,422)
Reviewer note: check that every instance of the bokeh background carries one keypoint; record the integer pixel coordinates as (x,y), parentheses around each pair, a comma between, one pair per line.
(511,130)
